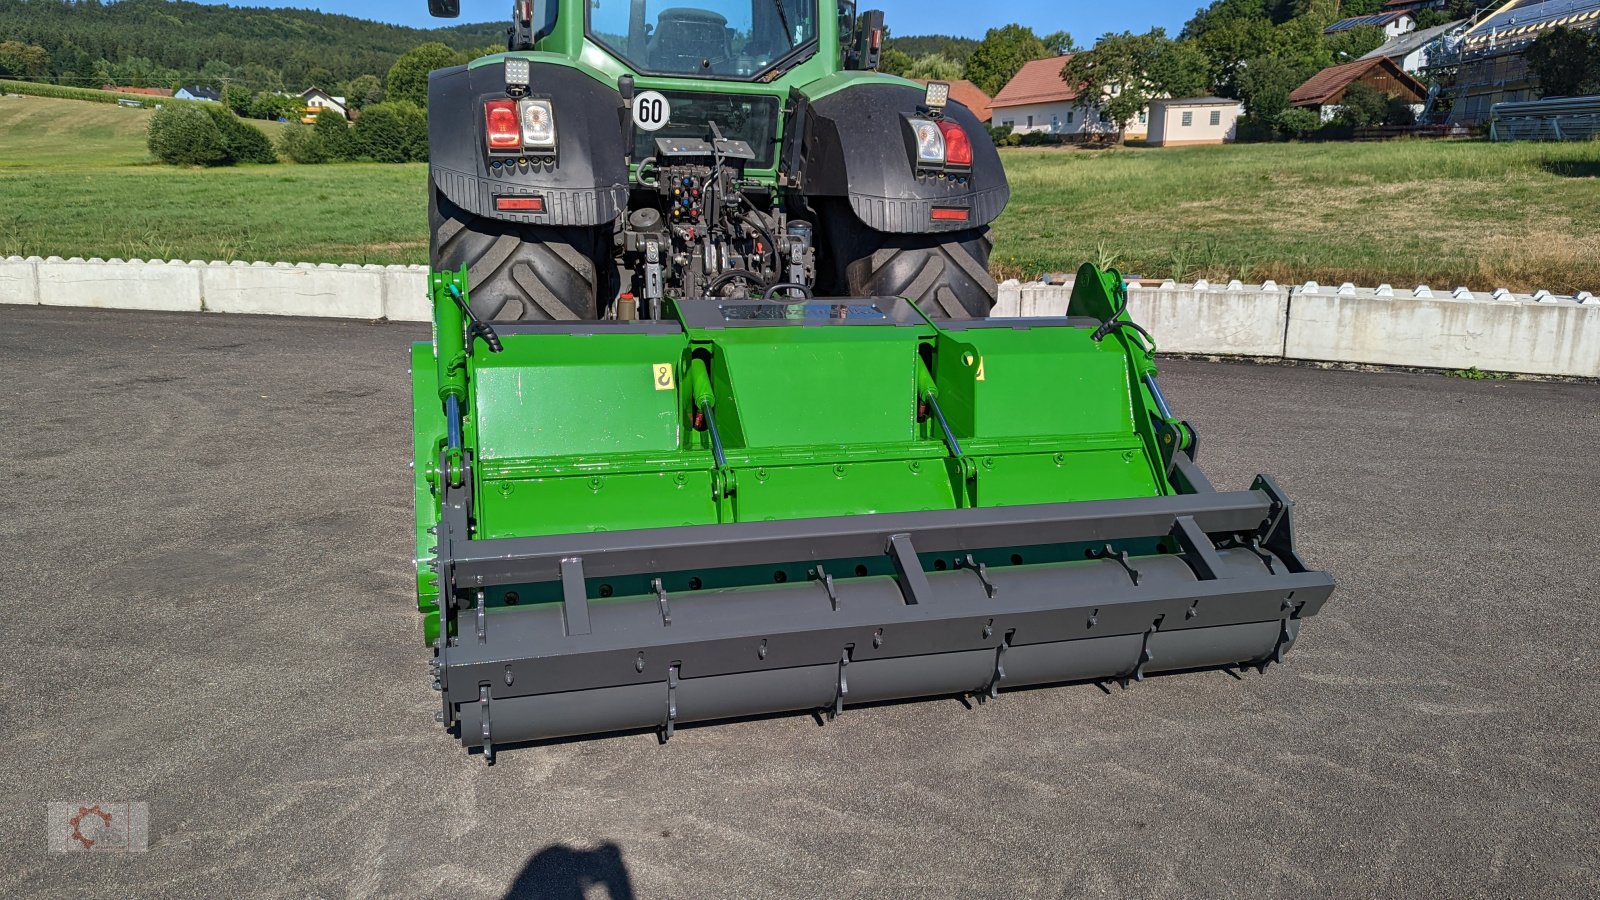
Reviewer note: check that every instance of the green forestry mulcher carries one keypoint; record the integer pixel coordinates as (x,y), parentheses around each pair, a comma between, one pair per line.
(714,423)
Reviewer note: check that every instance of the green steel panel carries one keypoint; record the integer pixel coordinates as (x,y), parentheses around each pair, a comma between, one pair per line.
(797,492)
(577,395)
(603,502)
(1066,477)
(819,385)
(1035,382)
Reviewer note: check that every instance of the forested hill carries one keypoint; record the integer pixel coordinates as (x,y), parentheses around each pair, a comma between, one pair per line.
(264,49)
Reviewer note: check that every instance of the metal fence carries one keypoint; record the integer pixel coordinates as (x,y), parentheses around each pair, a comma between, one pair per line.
(1557,119)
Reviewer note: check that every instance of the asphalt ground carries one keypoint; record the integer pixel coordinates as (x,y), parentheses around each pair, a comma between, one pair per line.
(206,521)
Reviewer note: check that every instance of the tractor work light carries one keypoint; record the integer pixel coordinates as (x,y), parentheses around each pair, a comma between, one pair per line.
(938,96)
(929,142)
(538,124)
(518,74)
(501,126)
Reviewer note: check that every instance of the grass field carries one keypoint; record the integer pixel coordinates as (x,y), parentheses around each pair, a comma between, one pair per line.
(76,180)
(1522,216)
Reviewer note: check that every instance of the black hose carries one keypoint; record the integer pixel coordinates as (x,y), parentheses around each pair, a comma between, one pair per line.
(788,286)
(1116,324)
(730,275)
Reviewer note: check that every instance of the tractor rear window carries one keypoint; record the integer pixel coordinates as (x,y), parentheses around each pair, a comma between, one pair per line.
(704,38)
(753,120)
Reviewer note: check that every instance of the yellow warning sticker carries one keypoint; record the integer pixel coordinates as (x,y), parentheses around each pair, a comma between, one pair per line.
(664,376)
(980,368)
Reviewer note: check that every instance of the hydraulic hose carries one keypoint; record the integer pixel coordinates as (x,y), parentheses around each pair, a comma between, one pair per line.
(730,275)
(787,286)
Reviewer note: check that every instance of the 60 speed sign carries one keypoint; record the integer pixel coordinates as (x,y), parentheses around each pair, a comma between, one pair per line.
(651,111)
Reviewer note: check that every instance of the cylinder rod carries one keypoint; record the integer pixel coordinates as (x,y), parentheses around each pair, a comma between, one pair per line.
(452,414)
(938,414)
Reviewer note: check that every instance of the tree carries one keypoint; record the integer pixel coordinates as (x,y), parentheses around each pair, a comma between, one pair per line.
(298,143)
(1124,72)
(22,60)
(895,62)
(183,135)
(1363,105)
(1566,62)
(1354,43)
(237,98)
(242,141)
(272,107)
(215,73)
(261,78)
(333,131)
(1228,45)
(1453,10)
(392,132)
(1059,43)
(363,91)
(934,67)
(408,77)
(1265,84)
(1001,54)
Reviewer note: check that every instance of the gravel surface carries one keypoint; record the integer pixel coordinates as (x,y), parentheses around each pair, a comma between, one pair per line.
(208,518)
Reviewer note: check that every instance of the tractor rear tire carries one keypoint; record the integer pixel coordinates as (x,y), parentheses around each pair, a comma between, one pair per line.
(946,275)
(523,272)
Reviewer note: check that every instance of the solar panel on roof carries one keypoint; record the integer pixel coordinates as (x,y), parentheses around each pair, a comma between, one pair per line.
(1536,12)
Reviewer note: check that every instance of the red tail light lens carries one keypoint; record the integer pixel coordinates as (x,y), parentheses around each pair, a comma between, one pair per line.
(505,132)
(957,146)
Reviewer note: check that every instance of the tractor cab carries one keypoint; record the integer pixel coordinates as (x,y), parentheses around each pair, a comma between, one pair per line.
(733,39)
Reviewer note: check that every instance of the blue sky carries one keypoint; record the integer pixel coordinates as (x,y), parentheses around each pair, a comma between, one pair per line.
(1085,19)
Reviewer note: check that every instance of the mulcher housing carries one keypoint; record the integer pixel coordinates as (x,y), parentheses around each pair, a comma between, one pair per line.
(751,507)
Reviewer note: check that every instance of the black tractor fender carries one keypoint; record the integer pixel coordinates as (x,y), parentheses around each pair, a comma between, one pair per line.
(587,183)
(855,144)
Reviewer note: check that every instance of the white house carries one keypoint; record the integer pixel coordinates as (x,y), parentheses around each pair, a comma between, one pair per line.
(1412,50)
(1037,100)
(209,95)
(1195,120)
(1394,23)
(316,98)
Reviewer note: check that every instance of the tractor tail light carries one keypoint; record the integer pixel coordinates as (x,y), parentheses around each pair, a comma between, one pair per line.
(957,146)
(503,130)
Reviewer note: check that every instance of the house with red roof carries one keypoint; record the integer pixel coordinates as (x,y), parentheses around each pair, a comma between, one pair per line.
(1037,100)
(1324,91)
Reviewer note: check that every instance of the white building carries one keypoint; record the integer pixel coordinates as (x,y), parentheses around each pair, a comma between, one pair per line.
(1393,23)
(1413,50)
(317,98)
(1037,100)
(1196,120)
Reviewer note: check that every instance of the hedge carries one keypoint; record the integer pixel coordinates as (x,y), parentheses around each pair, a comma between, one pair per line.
(184,135)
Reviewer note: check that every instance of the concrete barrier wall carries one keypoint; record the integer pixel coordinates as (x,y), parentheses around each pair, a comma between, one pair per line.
(397,293)
(1539,334)
(1499,331)
(1509,333)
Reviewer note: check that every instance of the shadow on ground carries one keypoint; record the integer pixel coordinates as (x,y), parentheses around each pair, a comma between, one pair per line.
(559,872)
(1572,168)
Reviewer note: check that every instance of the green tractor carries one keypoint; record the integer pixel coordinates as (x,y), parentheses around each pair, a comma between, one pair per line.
(624,151)
(715,424)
